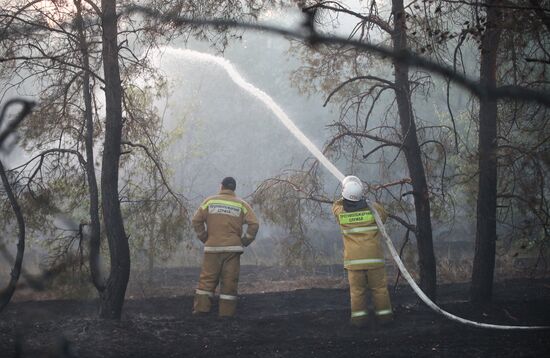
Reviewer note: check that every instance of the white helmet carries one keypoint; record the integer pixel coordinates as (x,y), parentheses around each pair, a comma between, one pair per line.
(352,189)
(350,178)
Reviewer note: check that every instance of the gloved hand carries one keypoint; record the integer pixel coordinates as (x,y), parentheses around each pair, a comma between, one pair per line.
(245,240)
(203,236)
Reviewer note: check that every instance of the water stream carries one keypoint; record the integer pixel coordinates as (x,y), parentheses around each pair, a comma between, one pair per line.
(260,95)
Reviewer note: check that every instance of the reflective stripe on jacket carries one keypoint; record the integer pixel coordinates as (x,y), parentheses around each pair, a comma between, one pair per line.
(224,215)
(362,247)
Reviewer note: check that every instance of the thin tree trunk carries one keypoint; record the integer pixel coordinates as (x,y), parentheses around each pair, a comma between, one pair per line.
(413,157)
(151,260)
(541,13)
(152,235)
(95,225)
(484,259)
(112,298)
(7,293)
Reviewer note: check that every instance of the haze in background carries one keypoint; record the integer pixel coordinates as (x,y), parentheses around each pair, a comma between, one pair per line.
(228,132)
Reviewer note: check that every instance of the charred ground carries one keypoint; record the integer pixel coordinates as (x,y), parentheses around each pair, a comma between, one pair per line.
(309,322)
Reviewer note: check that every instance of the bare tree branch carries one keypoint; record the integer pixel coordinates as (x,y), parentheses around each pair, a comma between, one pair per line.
(159,168)
(337,7)
(94,6)
(353,79)
(541,13)
(296,188)
(390,184)
(14,123)
(363,135)
(53,151)
(501,5)
(365,156)
(528,59)
(19,11)
(403,222)
(46,57)
(402,56)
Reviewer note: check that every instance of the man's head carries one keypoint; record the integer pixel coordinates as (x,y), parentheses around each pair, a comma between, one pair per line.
(229,183)
(352,188)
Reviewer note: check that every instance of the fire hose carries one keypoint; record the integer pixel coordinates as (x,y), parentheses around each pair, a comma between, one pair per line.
(426,299)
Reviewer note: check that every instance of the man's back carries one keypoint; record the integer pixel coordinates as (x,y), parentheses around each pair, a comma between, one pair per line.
(224,215)
(218,223)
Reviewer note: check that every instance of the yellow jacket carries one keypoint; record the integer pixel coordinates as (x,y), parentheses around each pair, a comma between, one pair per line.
(362,247)
(224,215)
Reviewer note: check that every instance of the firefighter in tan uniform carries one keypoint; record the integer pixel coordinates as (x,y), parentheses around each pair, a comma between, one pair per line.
(363,254)
(224,215)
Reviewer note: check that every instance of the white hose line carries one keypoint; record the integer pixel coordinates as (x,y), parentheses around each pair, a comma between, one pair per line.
(426,299)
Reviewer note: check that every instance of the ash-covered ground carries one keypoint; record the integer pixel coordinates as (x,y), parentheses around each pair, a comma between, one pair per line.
(308,322)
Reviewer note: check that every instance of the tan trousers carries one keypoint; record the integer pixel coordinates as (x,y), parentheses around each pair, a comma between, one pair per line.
(375,281)
(217,268)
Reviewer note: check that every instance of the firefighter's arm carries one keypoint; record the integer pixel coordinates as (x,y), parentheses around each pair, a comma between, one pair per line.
(198,221)
(252,226)
(381,211)
(337,208)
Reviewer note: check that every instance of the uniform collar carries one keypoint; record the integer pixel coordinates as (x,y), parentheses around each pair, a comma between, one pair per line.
(227,192)
(351,206)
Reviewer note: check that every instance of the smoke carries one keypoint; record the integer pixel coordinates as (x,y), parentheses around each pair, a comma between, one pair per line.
(261,96)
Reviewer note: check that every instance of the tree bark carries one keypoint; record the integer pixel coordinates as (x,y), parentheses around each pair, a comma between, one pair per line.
(484,259)
(413,156)
(112,298)
(7,293)
(93,192)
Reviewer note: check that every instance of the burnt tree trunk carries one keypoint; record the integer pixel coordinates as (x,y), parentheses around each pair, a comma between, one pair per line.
(413,156)
(486,235)
(7,293)
(112,298)
(93,192)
